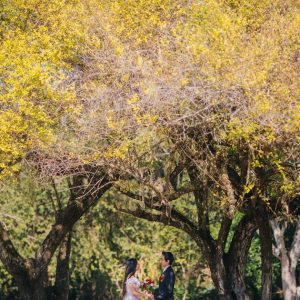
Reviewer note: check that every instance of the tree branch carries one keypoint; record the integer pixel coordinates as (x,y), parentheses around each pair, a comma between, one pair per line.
(234,178)
(279,237)
(276,252)
(9,256)
(231,206)
(175,219)
(224,232)
(201,200)
(163,208)
(173,176)
(156,199)
(244,233)
(66,219)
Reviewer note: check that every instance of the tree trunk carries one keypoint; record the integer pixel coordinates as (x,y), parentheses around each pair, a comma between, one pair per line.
(265,235)
(62,268)
(220,280)
(236,257)
(32,289)
(218,272)
(289,285)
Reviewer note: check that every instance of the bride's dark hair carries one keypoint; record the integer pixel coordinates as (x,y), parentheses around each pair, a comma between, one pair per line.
(131,265)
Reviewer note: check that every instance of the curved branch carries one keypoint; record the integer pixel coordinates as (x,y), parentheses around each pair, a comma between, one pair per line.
(67,218)
(175,219)
(171,197)
(9,256)
(163,208)
(243,236)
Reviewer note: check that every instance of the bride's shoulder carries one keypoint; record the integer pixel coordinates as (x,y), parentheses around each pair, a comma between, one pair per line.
(132,280)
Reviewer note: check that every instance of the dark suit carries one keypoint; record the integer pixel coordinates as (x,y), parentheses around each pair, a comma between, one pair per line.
(166,286)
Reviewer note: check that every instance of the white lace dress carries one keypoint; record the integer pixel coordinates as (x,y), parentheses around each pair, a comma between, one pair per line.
(131,281)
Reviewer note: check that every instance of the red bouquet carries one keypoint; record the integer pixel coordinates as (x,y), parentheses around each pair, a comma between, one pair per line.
(148,285)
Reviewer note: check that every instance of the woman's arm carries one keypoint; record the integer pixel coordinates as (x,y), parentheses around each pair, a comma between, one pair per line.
(135,292)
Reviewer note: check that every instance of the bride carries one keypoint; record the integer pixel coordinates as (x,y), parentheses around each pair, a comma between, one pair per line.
(131,284)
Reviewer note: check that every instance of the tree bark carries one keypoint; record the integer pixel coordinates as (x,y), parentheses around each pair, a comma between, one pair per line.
(288,259)
(288,275)
(236,257)
(219,275)
(62,268)
(31,288)
(265,235)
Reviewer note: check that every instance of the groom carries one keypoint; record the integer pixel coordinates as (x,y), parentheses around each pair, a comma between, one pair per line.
(166,279)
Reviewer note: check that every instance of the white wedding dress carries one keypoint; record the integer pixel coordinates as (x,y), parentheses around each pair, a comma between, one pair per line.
(131,281)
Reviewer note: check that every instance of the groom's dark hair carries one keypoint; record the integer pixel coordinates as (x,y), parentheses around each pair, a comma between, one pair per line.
(168,256)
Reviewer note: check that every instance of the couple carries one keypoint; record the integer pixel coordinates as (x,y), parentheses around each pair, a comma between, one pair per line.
(131,286)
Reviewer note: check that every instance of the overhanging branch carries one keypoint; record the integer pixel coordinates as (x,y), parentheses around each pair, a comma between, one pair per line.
(157,199)
(175,219)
